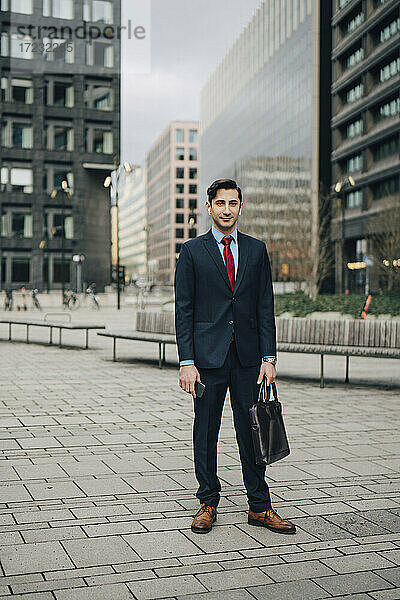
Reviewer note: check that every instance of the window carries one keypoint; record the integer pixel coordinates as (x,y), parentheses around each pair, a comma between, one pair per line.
(24,7)
(390,30)
(180,173)
(192,233)
(99,54)
(386,149)
(355,22)
(192,173)
(179,233)
(179,136)
(16,179)
(16,135)
(17,90)
(59,93)
(178,248)
(16,224)
(192,188)
(179,188)
(20,270)
(16,46)
(60,9)
(342,3)
(387,187)
(59,137)
(98,96)
(54,177)
(193,136)
(355,128)
(354,163)
(99,141)
(60,50)
(179,154)
(388,109)
(60,225)
(355,93)
(355,58)
(354,199)
(21,225)
(192,203)
(179,203)
(389,70)
(192,218)
(179,218)
(192,153)
(61,270)
(98,11)
(22,135)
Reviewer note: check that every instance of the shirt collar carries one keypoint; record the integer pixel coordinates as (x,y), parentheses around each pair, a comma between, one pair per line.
(219,235)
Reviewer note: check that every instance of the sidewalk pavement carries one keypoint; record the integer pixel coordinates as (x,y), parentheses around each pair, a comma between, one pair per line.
(97,488)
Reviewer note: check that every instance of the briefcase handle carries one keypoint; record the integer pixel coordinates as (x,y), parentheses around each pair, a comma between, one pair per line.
(264,395)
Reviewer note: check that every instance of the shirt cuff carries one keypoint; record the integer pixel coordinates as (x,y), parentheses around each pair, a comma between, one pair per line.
(184,363)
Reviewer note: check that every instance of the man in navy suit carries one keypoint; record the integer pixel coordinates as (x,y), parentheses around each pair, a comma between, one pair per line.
(225,330)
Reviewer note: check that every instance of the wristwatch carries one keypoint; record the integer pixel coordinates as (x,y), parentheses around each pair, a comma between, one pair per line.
(270,359)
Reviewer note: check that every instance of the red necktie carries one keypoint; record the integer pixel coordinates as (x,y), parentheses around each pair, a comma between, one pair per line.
(229,262)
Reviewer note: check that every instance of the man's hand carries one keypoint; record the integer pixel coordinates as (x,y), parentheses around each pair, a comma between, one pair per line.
(267,370)
(188,375)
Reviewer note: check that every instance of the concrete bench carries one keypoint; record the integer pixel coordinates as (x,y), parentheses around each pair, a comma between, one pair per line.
(350,337)
(153,327)
(51,323)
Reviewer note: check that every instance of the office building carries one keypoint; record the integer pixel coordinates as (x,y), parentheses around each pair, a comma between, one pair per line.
(265,121)
(132,223)
(365,135)
(172,165)
(60,122)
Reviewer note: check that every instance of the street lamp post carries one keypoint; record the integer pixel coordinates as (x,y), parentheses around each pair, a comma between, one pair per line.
(339,188)
(66,191)
(112,182)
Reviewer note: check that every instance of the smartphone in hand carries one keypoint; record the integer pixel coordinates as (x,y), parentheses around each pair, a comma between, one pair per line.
(199,389)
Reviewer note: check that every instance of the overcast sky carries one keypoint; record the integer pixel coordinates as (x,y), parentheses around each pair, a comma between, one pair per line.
(188,38)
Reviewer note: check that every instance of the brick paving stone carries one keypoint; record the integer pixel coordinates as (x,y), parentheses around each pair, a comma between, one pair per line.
(165,586)
(32,558)
(104,592)
(353,583)
(161,544)
(291,590)
(99,551)
(235,578)
(92,469)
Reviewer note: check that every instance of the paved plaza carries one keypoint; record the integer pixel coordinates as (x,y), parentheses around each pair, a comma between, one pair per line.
(97,487)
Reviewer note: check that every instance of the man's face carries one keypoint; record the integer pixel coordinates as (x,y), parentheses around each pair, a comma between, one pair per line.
(225,209)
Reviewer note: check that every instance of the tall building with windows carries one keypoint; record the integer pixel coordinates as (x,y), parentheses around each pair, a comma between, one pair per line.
(132,223)
(265,121)
(365,128)
(60,122)
(172,165)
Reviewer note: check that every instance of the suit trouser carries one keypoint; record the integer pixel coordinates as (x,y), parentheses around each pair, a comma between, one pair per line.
(243,389)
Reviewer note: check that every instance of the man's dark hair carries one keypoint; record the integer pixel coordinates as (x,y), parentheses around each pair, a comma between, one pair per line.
(222,184)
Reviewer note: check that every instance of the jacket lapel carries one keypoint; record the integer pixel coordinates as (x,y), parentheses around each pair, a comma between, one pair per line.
(212,248)
(243,254)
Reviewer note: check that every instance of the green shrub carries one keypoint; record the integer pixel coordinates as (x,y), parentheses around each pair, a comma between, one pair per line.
(300,305)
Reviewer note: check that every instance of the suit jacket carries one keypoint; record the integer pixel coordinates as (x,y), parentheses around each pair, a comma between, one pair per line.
(207,311)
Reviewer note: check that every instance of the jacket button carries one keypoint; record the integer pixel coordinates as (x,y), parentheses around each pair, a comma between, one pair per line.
(230,322)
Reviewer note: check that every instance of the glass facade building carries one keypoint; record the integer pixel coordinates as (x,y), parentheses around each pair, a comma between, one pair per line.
(365,151)
(59,133)
(259,112)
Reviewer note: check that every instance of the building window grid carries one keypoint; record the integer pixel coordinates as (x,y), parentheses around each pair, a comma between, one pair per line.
(389,31)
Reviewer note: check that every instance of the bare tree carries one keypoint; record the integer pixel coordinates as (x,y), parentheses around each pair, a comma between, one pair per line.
(384,232)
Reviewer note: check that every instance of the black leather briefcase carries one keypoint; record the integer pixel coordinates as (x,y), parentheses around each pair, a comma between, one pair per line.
(268,429)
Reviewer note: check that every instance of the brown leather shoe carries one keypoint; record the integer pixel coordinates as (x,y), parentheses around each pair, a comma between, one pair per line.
(271,520)
(204,519)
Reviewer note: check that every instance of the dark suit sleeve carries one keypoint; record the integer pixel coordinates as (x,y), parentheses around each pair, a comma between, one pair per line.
(265,309)
(184,298)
